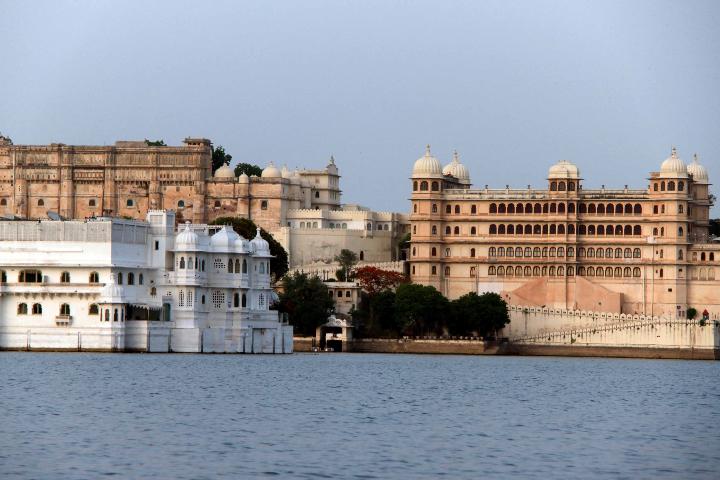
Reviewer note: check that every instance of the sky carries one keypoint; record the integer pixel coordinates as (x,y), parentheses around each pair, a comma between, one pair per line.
(513,86)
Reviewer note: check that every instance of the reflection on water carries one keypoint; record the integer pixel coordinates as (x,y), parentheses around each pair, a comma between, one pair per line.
(87,415)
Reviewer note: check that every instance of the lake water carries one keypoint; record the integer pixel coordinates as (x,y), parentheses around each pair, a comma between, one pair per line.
(355,416)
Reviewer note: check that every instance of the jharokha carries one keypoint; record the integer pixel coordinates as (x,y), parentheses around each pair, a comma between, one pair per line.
(623,251)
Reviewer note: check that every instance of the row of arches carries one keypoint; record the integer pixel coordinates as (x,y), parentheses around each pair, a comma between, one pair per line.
(561,186)
(583,208)
(22,309)
(36,276)
(669,186)
(130,279)
(710,256)
(707,273)
(424,186)
(609,230)
(553,229)
(195,263)
(552,271)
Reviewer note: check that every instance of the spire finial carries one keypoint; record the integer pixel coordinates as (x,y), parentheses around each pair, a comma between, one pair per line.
(456,157)
(695,157)
(427,150)
(673,153)
(332,159)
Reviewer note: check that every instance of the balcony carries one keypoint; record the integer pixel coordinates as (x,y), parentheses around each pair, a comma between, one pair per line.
(63,320)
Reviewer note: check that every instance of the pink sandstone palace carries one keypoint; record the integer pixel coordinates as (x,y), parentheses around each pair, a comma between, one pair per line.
(644,252)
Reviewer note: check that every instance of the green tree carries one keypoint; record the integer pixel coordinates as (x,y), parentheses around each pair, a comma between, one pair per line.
(248,229)
(477,314)
(219,157)
(347,259)
(420,309)
(715,227)
(306,301)
(156,143)
(248,169)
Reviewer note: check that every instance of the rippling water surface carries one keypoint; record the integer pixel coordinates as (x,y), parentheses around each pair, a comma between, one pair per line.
(66,415)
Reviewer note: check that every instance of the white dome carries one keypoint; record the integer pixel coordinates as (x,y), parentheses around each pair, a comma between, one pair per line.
(259,245)
(564,169)
(243,178)
(111,293)
(224,172)
(457,169)
(224,239)
(673,166)
(698,172)
(271,172)
(427,165)
(187,239)
(242,245)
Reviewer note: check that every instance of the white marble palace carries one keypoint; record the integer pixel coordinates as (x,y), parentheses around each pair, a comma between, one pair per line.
(109,284)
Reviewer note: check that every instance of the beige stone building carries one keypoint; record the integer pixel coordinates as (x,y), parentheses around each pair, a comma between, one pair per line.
(302,209)
(613,250)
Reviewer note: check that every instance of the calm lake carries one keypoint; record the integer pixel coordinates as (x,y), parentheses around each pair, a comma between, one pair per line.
(83,415)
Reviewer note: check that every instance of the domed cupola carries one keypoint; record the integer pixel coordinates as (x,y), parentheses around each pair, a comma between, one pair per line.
(259,245)
(111,293)
(698,172)
(271,172)
(673,166)
(243,178)
(187,240)
(224,239)
(427,166)
(285,173)
(457,170)
(242,245)
(225,172)
(564,169)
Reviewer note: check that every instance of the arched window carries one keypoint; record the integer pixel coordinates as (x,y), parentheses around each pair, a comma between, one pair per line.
(472,252)
(448,209)
(551,272)
(415,186)
(636,272)
(681,186)
(93,310)
(433,252)
(115,315)
(236,300)
(637,230)
(502,208)
(511,208)
(493,229)
(590,252)
(662,186)
(244,265)
(636,253)
(518,271)
(655,187)
(120,278)
(519,208)
(64,309)
(510,252)
(553,208)
(447,271)
(500,271)
(561,186)
(434,208)
(527,252)
(680,254)
(581,252)
(94,277)
(435,186)
(536,252)
(552,251)
(457,209)
(561,208)
(561,252)
(536,229)
(22,309)
(131,278)
(518,230)
(473,209)
(671,186)
(491,270)
(182,263)
(571,186)
(456,230)
(3,202)
(36,309)
(518,252)
(493,208)
(591,230)
(447,252)
(433,270)
(502,229)
(680,231)
(571,272)
(553,186)
(243,302)
(582,208)
(423,186)
(561,229)
(473,231)
(65,277)
(41,202)
(30,276)
(712,256)
(637,209)
(627,230)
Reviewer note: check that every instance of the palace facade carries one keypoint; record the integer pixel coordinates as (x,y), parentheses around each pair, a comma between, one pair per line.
(117,285)
(302,208)
(613,250)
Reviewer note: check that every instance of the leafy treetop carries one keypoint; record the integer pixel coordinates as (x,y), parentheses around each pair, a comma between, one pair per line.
(156,143)
(374,280)
(306,301)
(219,157)
(248,169)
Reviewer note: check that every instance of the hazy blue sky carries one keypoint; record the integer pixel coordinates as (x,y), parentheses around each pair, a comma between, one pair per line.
(513,86)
